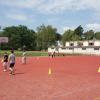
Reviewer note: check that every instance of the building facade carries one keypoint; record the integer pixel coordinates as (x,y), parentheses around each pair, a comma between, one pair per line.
(78,47)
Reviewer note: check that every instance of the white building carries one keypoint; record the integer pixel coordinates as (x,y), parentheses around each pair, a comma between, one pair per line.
(79,47)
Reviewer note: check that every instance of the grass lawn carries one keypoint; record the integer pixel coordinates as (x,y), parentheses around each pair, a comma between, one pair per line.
(35,53)
(28,53)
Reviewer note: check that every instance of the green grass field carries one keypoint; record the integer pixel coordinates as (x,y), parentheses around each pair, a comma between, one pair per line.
(28,53)
(34,53)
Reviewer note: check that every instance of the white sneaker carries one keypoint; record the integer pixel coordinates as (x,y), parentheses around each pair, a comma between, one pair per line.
(4,70)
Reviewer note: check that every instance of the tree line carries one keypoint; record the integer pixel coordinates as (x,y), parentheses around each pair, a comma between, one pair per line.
(20,37)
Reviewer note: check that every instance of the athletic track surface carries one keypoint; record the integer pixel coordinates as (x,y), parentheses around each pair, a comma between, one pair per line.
(72,78)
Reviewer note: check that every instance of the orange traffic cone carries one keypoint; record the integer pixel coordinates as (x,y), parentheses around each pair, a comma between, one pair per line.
(49,72)
(99,70)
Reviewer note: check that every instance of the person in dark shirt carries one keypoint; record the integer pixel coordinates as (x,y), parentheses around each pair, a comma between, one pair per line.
(5,61)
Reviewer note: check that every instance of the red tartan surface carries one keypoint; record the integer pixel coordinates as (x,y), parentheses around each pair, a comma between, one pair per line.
(72,78)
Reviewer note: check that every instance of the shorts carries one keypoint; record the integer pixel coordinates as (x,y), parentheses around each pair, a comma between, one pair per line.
(11,65)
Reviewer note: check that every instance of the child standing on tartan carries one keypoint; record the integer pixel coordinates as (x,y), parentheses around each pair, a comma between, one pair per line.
(11,62)
(5,61)
(24,58)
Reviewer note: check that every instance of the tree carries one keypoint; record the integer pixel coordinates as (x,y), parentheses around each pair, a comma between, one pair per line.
(46,36)
(1,33)
(89,35)
(79,31)
(97,35)
(67,36)
(75,37)
(58,37)
(20,36)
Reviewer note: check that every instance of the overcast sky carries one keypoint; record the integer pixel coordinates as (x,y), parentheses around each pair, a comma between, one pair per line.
(61,14)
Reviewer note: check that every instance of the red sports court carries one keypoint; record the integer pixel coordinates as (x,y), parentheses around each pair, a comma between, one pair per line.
(70,78)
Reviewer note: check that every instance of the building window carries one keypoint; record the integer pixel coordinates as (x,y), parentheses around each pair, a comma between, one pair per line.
(71,44)
(83,48)
(96,48)
(63,47)
(91,44)
(70,48)
(80,44)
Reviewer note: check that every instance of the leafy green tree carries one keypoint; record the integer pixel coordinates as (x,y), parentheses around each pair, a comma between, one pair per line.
(19,37)
(78,31)
(58,37)
(46,36)
(89,35)
(75,37)
(97,35)
(67,36)
(1,33)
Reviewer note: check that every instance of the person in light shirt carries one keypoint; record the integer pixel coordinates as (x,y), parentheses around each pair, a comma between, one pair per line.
(11,62)
(53,54)
(24,58)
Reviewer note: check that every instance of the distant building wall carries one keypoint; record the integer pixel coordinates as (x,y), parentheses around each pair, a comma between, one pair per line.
(79,47)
